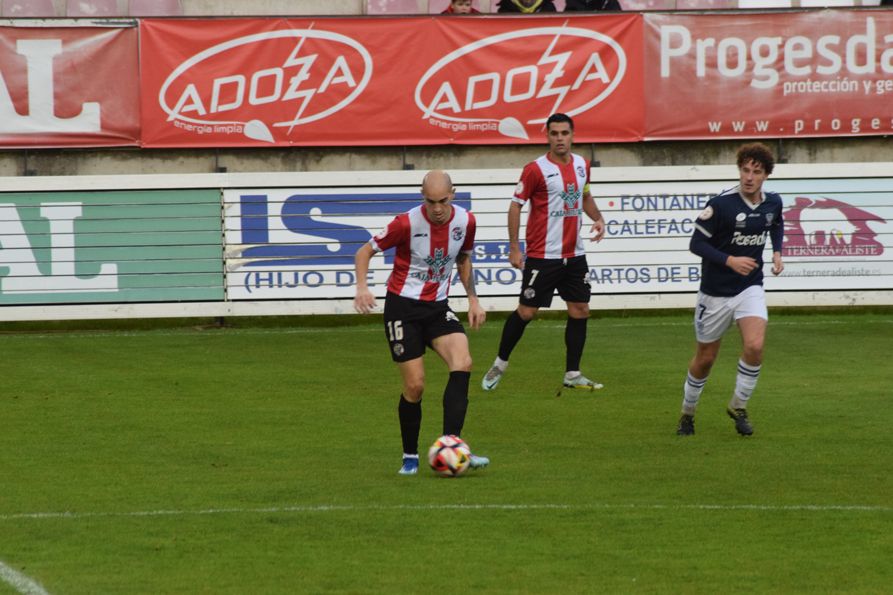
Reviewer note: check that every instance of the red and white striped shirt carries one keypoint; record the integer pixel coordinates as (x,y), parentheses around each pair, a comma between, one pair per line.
(555,192)
(426,252)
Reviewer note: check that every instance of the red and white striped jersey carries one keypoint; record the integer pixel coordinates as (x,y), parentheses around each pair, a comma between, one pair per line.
(555,192)
(423,263)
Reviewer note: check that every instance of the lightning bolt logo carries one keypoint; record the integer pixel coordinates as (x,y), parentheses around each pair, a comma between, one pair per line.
(305,64)
(558,71)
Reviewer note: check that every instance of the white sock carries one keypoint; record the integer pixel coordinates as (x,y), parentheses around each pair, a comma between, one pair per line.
(501,363)
(691,393)
(745,383)
(571,374)
(406,456)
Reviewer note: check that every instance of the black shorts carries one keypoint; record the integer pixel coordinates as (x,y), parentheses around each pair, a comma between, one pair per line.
(410,325)
(542,276)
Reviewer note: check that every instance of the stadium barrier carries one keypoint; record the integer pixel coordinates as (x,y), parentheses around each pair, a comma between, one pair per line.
(285,82)
(216,245)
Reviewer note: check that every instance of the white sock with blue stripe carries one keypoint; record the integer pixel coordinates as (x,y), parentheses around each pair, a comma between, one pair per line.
(745,383)
(691,393)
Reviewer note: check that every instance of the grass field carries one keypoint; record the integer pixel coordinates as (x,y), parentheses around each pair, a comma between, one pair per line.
(262,459)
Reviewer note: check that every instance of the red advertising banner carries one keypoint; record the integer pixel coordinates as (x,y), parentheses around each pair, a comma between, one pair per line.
(826,73)
(69,86)
(407,81)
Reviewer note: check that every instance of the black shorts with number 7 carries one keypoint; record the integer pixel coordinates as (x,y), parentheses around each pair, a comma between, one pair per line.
(542,276)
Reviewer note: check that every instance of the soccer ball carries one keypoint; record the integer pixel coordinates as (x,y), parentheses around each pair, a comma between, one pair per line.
(449,456)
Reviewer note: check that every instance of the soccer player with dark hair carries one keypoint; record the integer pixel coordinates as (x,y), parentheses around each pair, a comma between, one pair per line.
(557,187)
(730,235)
(429,239)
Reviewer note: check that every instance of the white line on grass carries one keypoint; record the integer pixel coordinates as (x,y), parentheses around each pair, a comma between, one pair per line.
(469,507)
(370,329)
(19,581)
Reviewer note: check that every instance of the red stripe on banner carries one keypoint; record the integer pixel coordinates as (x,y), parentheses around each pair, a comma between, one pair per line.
(261,82)
(265,82)
(798,74)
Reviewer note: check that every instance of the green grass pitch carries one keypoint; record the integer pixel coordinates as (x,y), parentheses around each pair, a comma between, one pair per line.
(262,459)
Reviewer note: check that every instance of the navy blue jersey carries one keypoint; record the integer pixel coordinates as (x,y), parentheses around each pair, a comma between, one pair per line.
(731,226)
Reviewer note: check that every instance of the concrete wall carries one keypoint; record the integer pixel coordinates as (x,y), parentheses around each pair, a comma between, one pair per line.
(152,161)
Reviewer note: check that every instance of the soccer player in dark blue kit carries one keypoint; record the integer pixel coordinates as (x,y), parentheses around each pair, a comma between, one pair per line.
(730,235)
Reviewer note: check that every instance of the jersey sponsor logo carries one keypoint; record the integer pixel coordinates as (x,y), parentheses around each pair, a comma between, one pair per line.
(707,213)
(824,227)
(437,264)
(566,213)
(539,70)
(570,196)
(749,239)
(235,86)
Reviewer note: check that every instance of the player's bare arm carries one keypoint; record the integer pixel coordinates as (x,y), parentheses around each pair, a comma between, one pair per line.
(363,301)
(516,258)
(777,264)
(476,314)
(598,225)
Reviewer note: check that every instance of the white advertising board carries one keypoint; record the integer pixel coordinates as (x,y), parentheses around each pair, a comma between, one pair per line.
(298,243)
(289,238)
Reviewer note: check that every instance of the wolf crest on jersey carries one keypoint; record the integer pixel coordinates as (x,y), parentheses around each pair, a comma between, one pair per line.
(555,192)
(426,253)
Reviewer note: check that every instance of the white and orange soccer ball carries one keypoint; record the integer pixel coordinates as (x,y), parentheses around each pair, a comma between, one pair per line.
(449,456)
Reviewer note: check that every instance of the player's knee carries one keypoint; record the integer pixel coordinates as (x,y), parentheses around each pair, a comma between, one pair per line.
(412,390)
(700,369)
(527,313)
(578,310)
(753,352)
(703,362)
